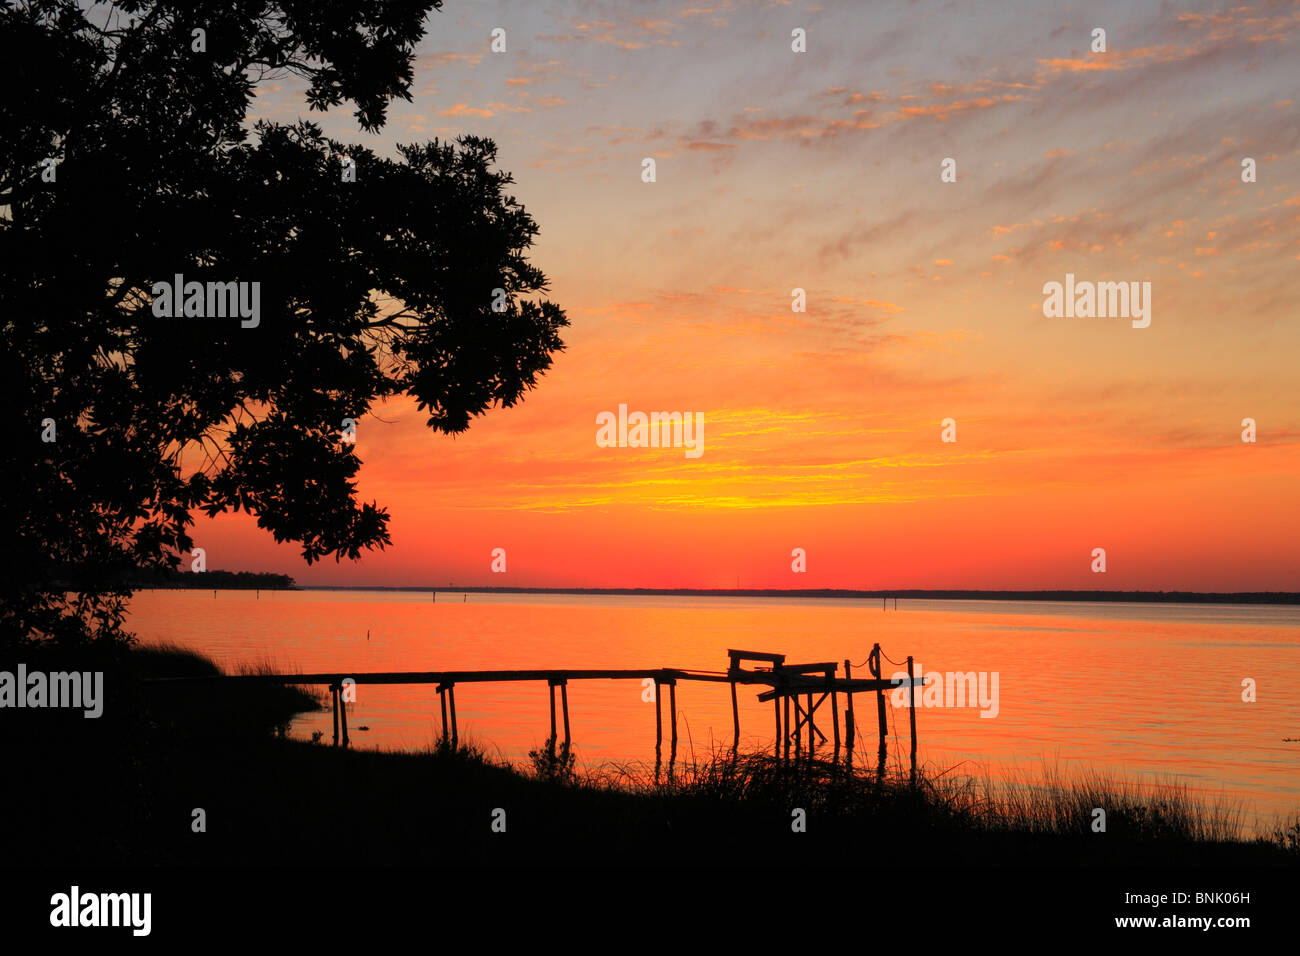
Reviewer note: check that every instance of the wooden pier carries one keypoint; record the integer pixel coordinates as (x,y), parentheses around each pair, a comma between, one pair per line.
(802,688)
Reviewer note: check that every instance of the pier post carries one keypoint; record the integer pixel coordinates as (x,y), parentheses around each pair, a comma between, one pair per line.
(873,662)
(564,701)
(735,718)
(848,715)
(796,728)
(912,714)
(447,691)
(812,728)
(659,720)
(877,670)
(343,718)
(550,741)
(786,728)
(672,705)
(451,699)
(835,716)
(776,704)
(334,694)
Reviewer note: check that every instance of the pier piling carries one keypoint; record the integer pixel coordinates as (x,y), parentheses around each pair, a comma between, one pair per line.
(848,715)
(550,741)
(776,705)
(447,691)
(442,699)
(874,665)
(835,717)
(564,702)
(787,727)
(735,718)
(911,697)
(672,705)
(334,694)
(343,718)
(659,720)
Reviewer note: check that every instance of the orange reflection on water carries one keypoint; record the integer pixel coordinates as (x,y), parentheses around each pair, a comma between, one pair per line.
(1129,689)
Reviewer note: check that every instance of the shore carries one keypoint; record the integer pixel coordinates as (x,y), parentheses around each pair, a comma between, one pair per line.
(130,787)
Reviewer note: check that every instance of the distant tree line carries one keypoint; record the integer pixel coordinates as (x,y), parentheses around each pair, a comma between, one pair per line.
(224,580)
(1136,597)
(132,579)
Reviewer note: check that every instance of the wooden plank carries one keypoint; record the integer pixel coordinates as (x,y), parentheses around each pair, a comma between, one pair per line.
(826,666)
(460,677)
(736,655)
(840,684)
(807,719)
(770,678)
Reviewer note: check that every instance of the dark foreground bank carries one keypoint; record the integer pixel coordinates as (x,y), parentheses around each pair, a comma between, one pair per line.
(201,774)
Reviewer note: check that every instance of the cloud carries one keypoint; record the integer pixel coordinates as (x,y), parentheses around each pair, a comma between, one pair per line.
(464,109)
(430,60)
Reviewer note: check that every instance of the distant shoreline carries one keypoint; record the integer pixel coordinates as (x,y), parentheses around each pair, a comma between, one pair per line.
(1114,597)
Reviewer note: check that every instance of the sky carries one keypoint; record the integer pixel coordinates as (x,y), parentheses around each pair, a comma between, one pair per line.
(821,170)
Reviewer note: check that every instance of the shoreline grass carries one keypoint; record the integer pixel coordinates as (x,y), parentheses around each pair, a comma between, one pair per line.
(1051,805)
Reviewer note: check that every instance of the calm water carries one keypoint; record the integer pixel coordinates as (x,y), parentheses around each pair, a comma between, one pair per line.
(1149,691)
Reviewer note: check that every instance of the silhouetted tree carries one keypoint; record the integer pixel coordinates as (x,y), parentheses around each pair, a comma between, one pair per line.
(126,158)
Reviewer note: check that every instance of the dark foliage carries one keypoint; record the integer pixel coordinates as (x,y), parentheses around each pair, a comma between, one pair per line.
(369,289)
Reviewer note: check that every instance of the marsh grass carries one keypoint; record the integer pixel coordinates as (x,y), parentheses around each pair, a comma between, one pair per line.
(204,709)
(1049,805)
(1053,803)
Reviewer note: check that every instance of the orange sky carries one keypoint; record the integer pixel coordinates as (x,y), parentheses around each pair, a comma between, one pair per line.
(820,170)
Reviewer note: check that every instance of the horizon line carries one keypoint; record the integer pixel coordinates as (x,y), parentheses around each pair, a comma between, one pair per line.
(1036,594)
